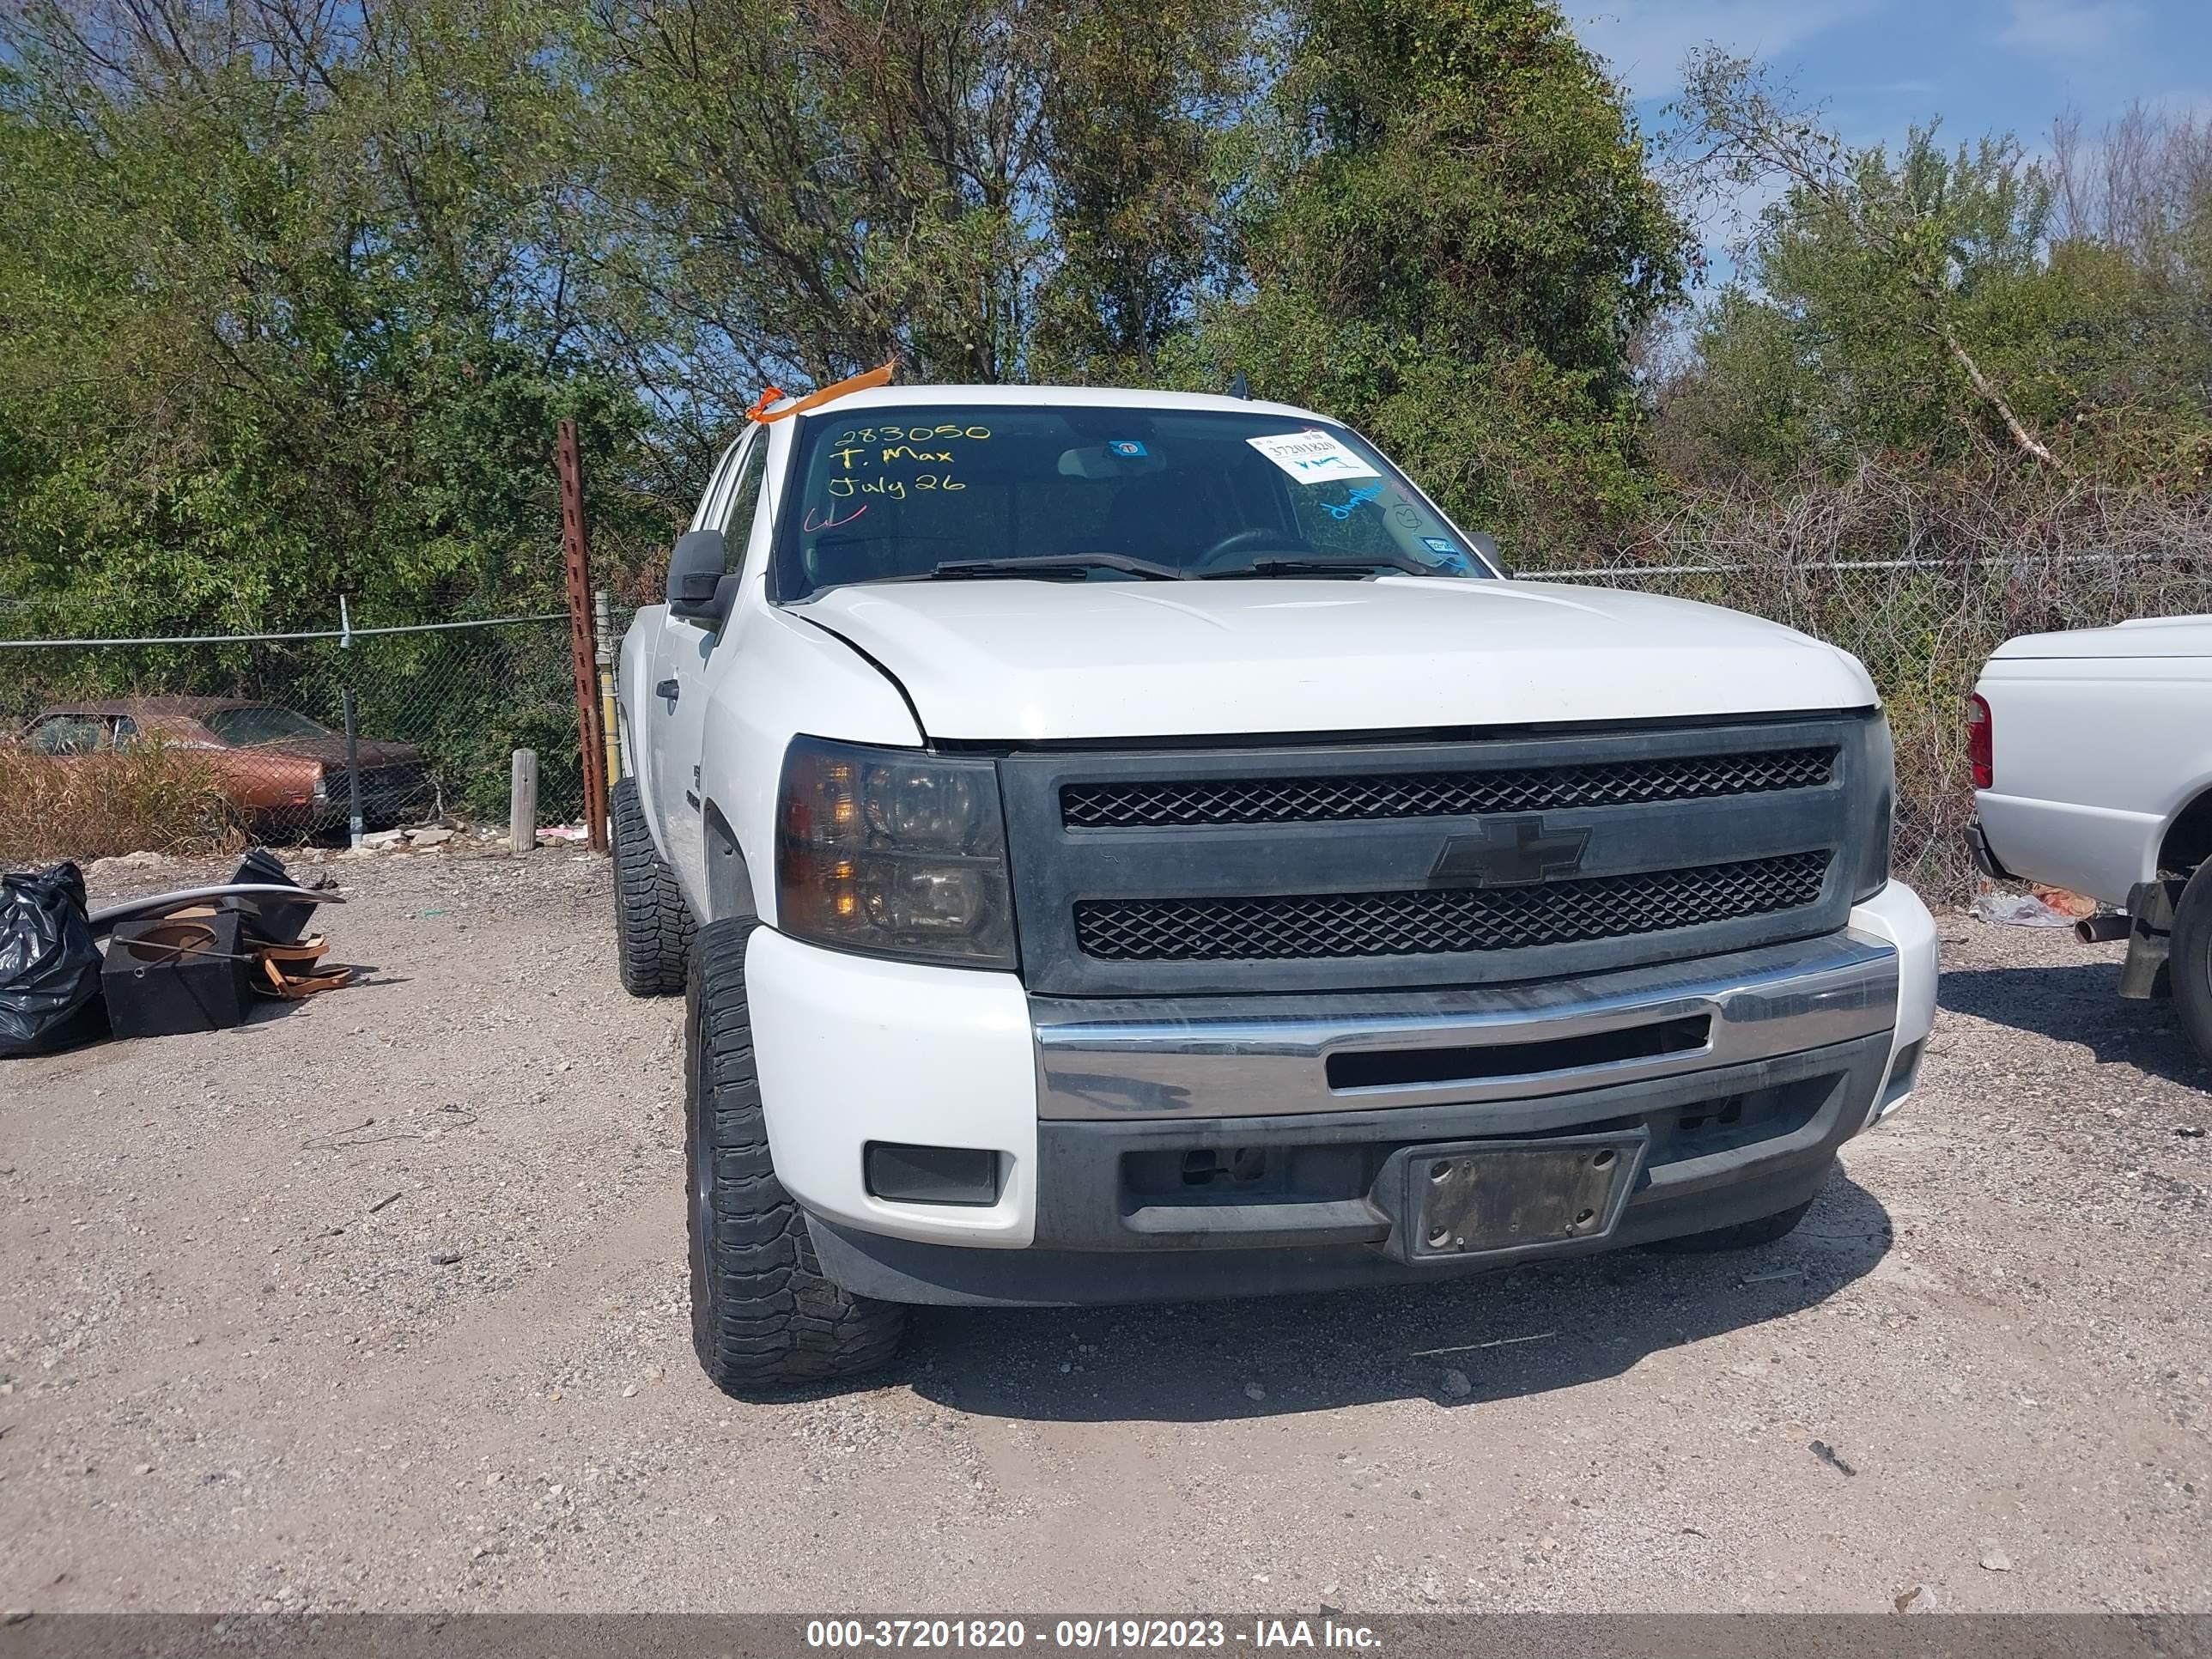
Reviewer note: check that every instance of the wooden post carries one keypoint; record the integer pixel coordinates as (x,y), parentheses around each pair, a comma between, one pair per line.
(522,803)
(591,740)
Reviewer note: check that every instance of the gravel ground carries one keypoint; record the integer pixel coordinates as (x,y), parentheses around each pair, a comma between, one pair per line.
(380,1302)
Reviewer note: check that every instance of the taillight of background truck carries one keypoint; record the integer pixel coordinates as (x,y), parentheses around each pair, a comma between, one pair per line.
(1981,747)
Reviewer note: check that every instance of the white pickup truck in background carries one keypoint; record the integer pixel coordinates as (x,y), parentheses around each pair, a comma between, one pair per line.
(2092,752)
(1132,846)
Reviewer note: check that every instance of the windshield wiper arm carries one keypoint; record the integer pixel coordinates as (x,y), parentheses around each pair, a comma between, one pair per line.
(1053,564)
(1310,567)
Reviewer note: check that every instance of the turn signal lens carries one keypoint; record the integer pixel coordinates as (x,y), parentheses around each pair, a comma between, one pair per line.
(893,853)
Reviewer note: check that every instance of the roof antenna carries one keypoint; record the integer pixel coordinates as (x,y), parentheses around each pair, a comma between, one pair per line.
(1240,387)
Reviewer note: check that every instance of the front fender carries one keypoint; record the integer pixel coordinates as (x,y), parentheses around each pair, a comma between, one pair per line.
(634,705)
(776,677)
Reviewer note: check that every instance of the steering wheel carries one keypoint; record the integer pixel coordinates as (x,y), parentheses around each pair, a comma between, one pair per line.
(1257,537)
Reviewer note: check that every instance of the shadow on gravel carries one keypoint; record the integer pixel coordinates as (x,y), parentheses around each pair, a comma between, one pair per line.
(2079,1005)
(1524,1332)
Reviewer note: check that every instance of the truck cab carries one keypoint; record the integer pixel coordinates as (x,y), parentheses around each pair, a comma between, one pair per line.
(1132,846)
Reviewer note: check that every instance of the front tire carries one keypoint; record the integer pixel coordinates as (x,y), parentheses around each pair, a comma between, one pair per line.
(763,1317)
(2188,961)
(653,927)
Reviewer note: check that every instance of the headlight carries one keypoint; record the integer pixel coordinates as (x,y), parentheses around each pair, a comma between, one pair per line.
(893,853)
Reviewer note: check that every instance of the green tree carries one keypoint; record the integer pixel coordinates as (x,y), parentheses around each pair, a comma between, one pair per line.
(794,190)
(1952,308)
(286,315)
(1451,241)
(1902,277)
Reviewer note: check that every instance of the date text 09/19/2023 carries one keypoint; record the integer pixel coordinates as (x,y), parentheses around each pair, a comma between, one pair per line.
(1090,1635)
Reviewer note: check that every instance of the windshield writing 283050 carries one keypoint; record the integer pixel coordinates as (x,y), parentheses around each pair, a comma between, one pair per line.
(872,460)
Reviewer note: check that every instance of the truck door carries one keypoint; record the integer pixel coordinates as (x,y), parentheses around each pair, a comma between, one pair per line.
(680,665)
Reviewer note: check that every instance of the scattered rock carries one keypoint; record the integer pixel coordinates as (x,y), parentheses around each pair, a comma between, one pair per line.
(377,840)
(428,837)
(444,1258)
(1454,1383)
(1826,1453)
(1993,1556)
(1905,1599)
(2190,1132)
(142,1468)
(1254,1391)
(130,861)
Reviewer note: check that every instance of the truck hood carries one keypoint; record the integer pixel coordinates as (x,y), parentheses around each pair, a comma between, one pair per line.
(1045,661)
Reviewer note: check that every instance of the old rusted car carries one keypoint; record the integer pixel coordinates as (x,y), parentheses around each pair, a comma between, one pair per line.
(284,772)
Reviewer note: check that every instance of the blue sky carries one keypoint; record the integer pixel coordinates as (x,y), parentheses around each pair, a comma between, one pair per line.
(1879,66)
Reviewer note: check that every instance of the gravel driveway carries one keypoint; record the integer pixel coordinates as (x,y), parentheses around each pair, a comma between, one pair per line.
(380,1302)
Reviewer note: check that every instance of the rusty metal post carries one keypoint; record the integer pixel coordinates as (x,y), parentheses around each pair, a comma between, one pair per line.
(591,740)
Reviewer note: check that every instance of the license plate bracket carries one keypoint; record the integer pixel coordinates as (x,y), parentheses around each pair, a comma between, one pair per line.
(1494,1196)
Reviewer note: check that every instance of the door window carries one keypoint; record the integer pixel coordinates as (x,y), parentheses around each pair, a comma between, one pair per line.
(717,489)
(737,521)
(66,734)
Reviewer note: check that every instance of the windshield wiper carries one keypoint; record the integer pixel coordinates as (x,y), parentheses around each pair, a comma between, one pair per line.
(1051,564)
(1363,565)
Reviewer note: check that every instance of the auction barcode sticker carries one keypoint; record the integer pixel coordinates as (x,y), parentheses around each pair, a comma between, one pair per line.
(1312,457)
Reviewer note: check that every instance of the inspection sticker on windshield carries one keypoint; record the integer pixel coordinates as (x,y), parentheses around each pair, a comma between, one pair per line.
(1128,449)
(1312,457)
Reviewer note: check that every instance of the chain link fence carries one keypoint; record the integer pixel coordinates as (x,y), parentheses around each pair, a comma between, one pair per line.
(205,744)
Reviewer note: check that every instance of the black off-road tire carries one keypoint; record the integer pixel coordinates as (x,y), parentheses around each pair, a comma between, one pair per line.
(764,1318)
(653,924)
(1744,1235)
(2188,961)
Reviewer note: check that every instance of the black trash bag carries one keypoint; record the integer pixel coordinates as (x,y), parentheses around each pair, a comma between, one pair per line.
(49,963)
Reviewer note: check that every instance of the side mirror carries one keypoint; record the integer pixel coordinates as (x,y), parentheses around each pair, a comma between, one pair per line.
(1486,545)
(695,568)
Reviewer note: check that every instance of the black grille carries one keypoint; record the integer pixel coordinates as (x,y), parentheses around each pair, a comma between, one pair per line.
(1150,805)
(1435,923)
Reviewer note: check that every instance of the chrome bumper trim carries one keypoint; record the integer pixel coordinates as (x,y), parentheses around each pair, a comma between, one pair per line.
(1243,1056)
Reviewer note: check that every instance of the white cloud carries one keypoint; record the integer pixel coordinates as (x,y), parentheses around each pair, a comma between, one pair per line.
(1645,41)
(2067,30)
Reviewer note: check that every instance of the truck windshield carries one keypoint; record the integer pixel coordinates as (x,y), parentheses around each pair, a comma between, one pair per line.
(1085,493)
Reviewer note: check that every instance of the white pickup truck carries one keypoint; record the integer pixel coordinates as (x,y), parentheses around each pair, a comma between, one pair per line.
(2092,753)
(1132,846)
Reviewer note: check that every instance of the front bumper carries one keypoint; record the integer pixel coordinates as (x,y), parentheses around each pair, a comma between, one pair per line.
(1762,1064)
